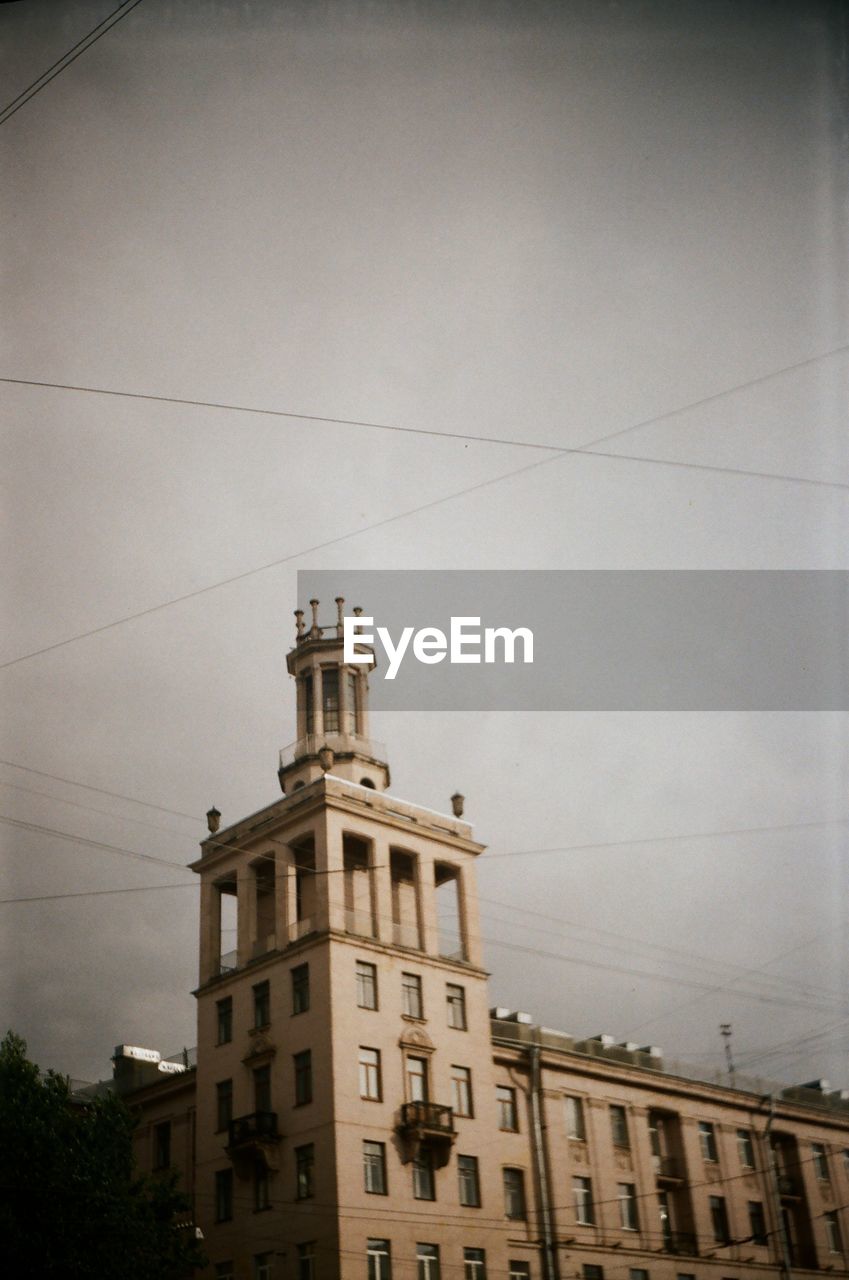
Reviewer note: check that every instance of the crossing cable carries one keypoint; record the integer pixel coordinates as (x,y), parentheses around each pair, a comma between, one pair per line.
(557,453)
(111,20)
(759,996)
(675,952)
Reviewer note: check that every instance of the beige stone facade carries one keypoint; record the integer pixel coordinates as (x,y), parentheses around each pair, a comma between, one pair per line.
(356,1112)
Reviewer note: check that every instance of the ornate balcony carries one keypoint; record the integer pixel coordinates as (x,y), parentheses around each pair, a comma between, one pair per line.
(428,1124)
(254,1136)
(668,1169)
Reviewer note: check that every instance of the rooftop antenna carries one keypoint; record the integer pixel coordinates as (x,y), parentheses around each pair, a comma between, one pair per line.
(725,1032)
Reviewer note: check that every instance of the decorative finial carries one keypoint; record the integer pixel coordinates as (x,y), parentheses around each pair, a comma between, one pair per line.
(299,623)
(314,629)
(326,756)
(457,803)
(340,626)
(357,610)
(213,820)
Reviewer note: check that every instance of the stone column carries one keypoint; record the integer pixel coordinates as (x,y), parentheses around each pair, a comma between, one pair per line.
(210,929)
(426,895)
(381,887)
(245,914)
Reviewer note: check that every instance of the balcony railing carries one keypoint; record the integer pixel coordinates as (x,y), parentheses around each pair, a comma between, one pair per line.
(360,923)
(259,1126)
(788,1187)
(667,1169)
(229,962)
(428,1119)
(683,1242)
(341,743)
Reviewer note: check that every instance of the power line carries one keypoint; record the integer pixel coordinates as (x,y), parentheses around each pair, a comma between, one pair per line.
(274,564)
(94,844)
(76,51)
(98,893)
(691,959)
(101,791)
(446,435)
(585,450)
(692,835)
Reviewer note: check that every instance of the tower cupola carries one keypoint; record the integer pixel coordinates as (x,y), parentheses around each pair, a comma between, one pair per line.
(332,708)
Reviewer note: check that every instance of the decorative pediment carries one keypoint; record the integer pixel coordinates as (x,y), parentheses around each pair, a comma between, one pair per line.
(416,1038)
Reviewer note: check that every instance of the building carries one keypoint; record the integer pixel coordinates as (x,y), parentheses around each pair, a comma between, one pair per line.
(358,1111)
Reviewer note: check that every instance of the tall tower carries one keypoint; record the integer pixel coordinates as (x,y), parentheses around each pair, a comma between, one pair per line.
(345,1077)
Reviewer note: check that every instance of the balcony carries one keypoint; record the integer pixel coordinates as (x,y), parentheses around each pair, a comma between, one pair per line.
(668,1169)
(427,1122)
(681,1242)
(258,1129)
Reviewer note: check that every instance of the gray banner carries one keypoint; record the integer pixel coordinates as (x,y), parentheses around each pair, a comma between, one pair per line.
(676,640)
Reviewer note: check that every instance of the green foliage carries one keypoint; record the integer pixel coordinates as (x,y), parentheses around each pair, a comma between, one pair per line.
(71,1204)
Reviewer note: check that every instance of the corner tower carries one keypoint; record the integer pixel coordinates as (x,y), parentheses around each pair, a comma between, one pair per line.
(332,709)
(344,1044)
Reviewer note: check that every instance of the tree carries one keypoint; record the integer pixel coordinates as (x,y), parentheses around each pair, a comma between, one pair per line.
(71,1203)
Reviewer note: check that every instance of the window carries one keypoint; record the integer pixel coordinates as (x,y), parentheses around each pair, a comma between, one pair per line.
(262,1199)
(351,696)
(619,1126)
(474,1264)
(374,1167)
(467,1174)
(514,1194)
(224,1195)
(162,1145)
(423,1184)
(820,1161)
(461,1091)
(575,1119)
(379,1260)
(224,1271)
(685,1275)
(719,1219)
(262,1089)
(626,1194)
(832,1232)
(456,997)
(427,1261)
(757,1222)
(262,1005)
(306,1261)
(370,1074)
(330,699)
(411,995)
(638,1273)
(262,1266)
(366,985)
(303,1077)
(508,1117)
(745,1148)
(582,1192)
(300,988)
(592,1271)
(305,1171)
(224,1101)
(224,1016)
(519,1270)
(416,1079)
(309,707)
(707,1141)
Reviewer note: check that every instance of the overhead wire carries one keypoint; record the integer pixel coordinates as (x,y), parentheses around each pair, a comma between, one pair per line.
(585,450)
(111,20)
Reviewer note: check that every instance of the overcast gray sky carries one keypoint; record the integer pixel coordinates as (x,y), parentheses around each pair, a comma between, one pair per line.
(539,222)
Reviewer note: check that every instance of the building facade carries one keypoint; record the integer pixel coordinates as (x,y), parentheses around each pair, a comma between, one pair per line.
(357,1111)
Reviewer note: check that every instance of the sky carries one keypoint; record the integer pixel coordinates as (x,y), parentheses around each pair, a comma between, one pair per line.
(538,223)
